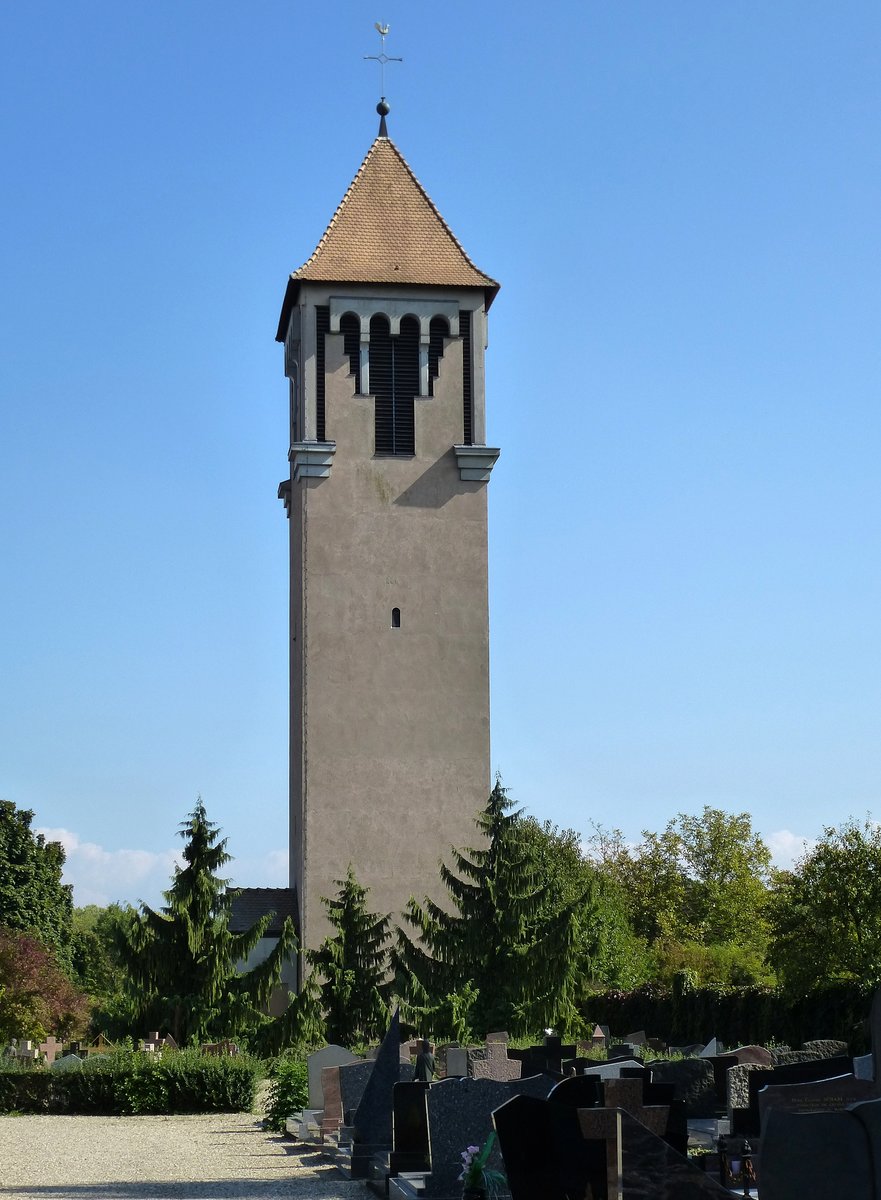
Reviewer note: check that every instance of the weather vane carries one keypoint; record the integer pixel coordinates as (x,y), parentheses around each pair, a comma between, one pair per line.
(382,58)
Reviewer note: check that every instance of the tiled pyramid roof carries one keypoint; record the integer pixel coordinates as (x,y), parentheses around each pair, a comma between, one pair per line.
(387,230)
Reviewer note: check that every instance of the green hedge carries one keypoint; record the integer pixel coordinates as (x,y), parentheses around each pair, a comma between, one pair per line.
(737,1016)
(128,1082)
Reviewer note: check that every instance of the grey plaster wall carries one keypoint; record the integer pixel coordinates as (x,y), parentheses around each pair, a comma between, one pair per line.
(389,727)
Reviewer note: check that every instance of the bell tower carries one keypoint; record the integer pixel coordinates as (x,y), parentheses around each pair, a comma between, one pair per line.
(384,330)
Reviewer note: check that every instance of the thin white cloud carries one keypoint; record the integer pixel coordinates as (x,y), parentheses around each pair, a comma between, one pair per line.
(787,847)
(101,876)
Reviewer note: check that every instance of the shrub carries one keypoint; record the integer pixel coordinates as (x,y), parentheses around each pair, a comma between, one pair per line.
(288,1090)
(128,1082)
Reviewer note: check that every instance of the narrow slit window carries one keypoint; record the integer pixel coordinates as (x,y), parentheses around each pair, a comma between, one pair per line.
(396,618)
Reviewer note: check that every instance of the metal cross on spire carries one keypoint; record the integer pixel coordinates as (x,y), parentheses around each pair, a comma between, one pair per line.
(382,58)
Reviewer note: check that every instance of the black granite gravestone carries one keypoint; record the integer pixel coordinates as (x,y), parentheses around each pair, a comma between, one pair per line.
(373,1117)
(653,1170)
(546,1059)
(544,1151)
(409,1128)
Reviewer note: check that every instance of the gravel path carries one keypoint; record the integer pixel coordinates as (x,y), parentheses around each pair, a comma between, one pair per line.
(213,1157)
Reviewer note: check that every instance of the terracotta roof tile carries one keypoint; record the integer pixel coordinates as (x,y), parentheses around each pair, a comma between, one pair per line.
(387,230)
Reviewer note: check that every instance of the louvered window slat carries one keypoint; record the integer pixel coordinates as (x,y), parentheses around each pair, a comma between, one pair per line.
(394,381)
(467,391)
(322,327)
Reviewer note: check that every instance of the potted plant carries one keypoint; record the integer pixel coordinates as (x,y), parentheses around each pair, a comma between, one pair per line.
(478,1182)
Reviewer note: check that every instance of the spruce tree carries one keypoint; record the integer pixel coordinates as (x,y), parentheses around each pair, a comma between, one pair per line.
(181,960)
(353,967)
(504,938)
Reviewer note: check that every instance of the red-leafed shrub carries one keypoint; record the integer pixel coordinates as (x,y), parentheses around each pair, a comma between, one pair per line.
(36,997)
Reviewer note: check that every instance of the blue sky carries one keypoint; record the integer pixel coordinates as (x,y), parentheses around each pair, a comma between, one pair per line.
(681,201)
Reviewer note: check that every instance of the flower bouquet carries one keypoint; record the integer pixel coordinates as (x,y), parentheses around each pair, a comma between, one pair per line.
(477,1180)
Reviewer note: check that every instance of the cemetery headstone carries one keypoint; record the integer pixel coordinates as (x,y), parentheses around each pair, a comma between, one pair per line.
(864,1066)
(492,1062)
(824,1095)
(635,1039)
(612,1070)
(547,1058)
(327,1056)
(457,1061)
(621,1050)
(711,1049)
(373,1117)
(748,1123)
(738,1085)
(824,1156)
(694,1082)
(51,1048)
(721,1065)
(650,1168)
(332,1101)
(409,1127)
(826,1047)
(544,1151)
(761,1056)
(460,1115)
(353,1079)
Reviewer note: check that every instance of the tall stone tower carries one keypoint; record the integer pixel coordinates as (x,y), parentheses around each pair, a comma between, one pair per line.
(384,329)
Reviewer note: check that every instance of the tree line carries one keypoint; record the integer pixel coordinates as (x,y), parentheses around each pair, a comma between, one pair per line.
(536,921)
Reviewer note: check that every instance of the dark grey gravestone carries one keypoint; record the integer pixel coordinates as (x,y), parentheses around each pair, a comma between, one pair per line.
(749,1124)
(409,1127)
(824,1095)
(353,1081)
(544,1151)
(372,1123)
(820,1156)
(622,1050)
(460,1115)
(694,1082)
(653,1170)
(580,1091)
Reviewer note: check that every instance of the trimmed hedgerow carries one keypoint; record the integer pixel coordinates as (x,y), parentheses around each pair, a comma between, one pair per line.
(128,1082)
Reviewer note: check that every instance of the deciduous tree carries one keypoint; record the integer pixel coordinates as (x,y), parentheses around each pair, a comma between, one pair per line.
(36,997)
(826,912)
(32,896)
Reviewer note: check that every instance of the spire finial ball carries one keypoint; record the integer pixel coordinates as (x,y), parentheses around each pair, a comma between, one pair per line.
(383,108)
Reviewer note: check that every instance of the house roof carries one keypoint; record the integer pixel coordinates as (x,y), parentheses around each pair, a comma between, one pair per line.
(387,230)
(249,904)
